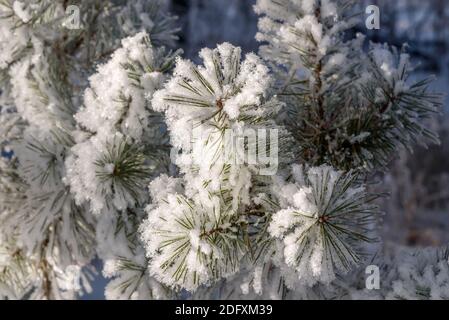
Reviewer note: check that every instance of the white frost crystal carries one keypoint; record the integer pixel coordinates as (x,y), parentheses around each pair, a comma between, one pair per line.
(195,234)
(324,212)
(116,114)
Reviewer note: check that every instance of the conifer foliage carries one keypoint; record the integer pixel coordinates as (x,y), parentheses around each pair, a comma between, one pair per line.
(243,176)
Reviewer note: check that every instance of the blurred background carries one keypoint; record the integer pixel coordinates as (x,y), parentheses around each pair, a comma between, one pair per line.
(417,210)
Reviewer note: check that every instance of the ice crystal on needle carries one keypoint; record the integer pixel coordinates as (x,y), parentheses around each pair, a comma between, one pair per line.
(324,218)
